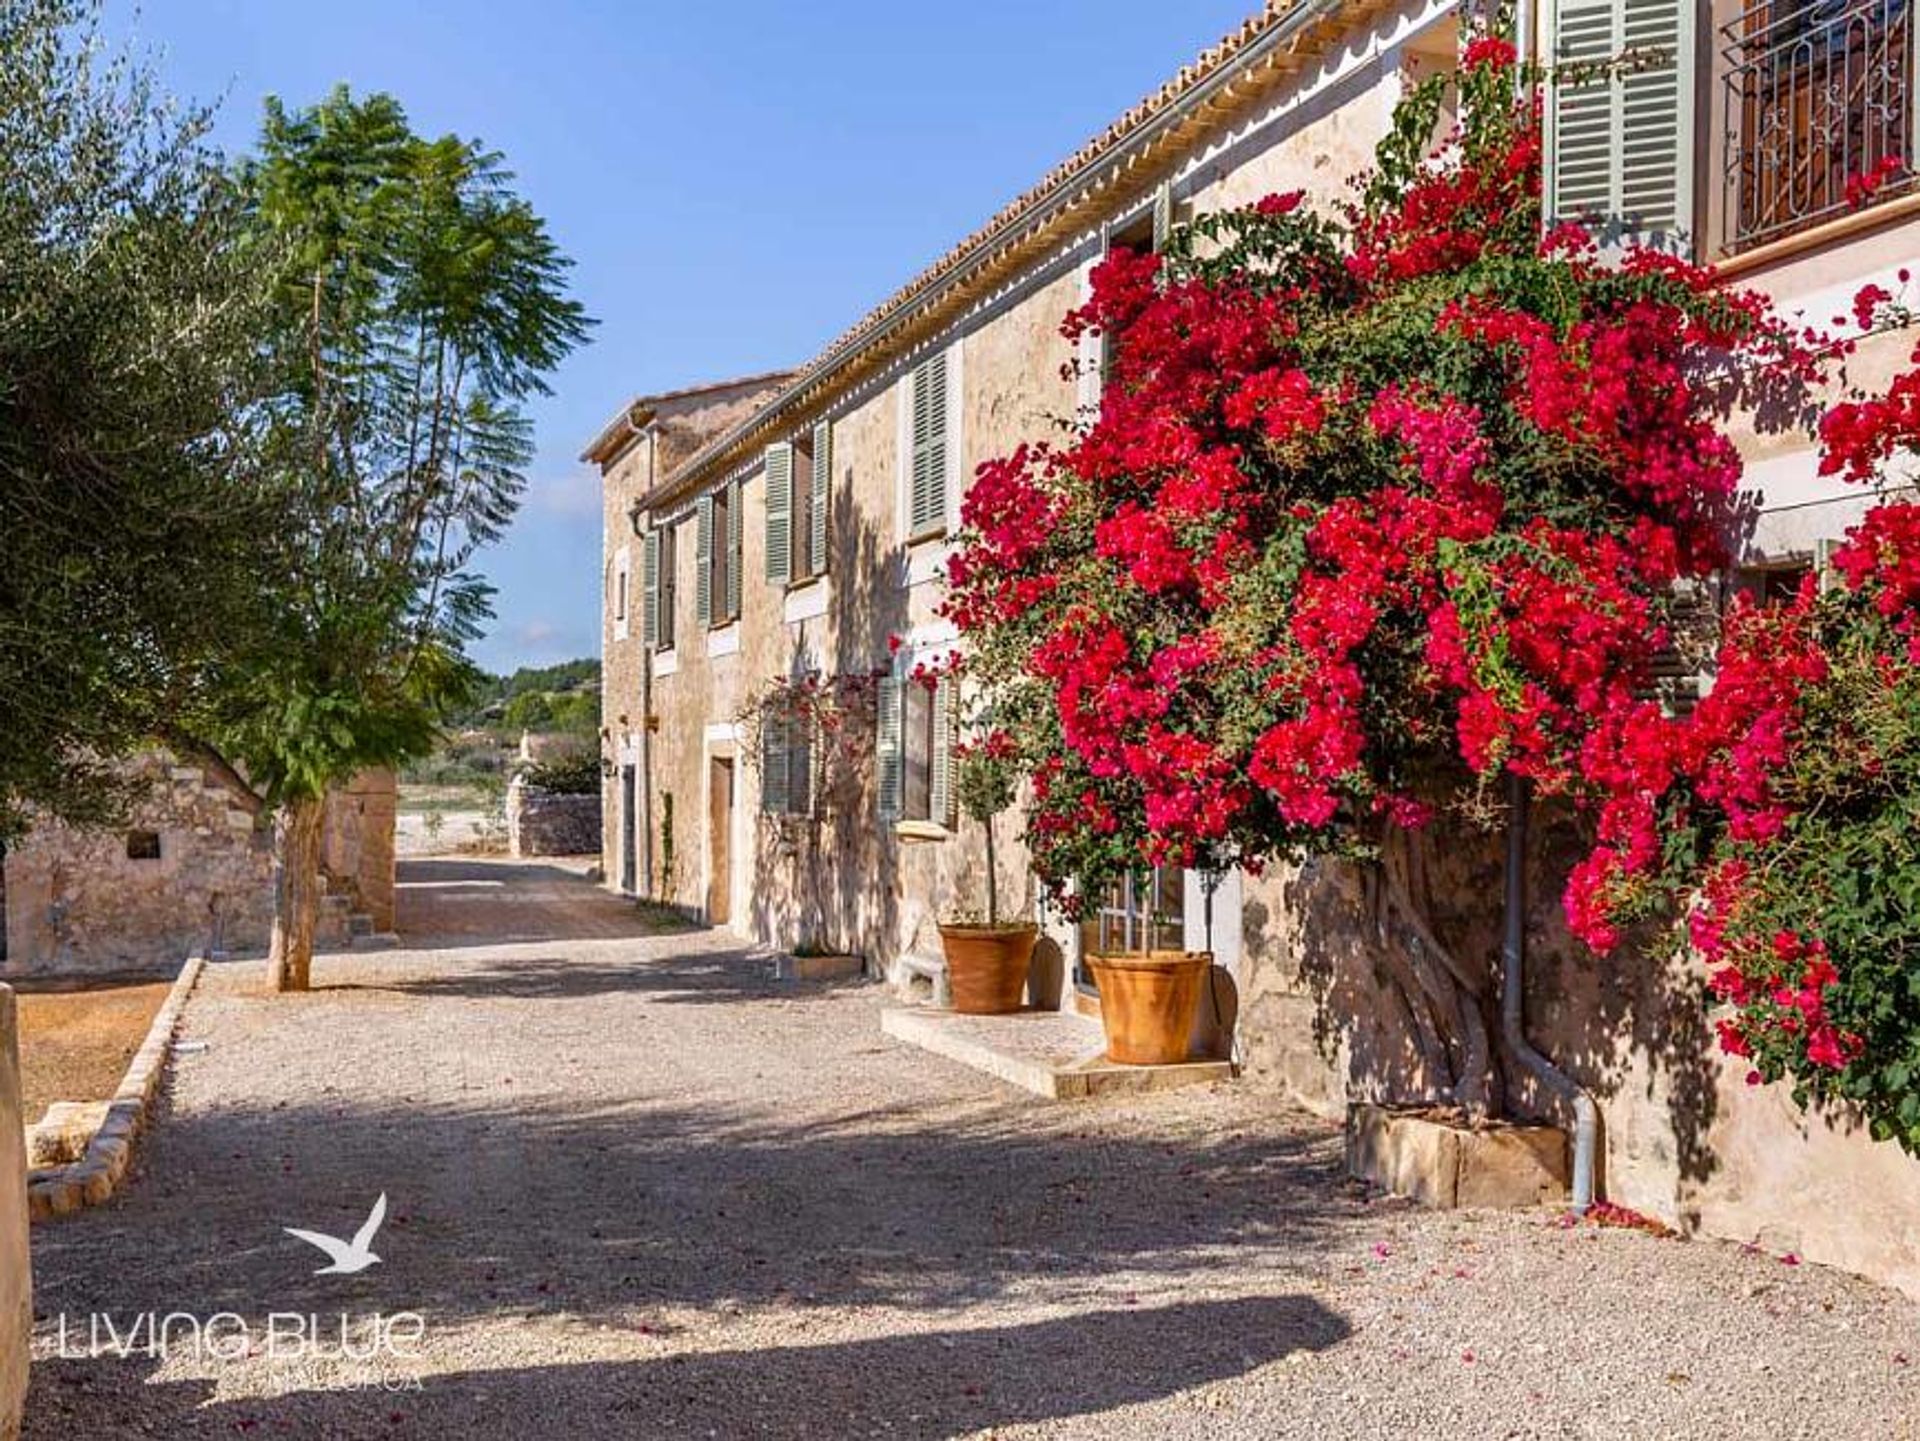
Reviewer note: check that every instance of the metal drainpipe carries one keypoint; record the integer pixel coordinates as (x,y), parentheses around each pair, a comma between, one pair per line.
(1513,962)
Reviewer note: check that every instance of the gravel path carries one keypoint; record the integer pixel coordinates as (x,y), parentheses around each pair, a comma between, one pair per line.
(638,1190)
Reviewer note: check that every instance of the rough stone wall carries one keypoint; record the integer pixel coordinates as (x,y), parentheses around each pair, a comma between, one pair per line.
(16,1273)
(357,844)
(76,900)
(1683,1137)
(542,823)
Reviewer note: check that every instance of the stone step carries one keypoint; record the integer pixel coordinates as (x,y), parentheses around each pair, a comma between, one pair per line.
(1054,1054)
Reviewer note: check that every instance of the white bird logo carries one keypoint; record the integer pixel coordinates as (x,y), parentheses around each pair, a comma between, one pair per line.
(348,1257)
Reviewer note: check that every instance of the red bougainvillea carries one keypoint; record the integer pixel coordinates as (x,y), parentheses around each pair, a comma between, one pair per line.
(1384,502)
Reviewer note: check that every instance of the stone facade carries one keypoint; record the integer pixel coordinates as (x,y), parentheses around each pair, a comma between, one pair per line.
(357,846)
(1313,1012)
(543,823)
(188,872)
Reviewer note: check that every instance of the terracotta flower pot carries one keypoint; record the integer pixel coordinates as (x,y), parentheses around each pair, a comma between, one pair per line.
(987,966)
(1147,1003)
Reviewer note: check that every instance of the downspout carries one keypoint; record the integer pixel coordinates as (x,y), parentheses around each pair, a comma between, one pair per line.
(1513,963)
(643,831)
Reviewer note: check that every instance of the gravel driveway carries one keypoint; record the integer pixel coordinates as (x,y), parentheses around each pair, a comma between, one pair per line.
(635,1189)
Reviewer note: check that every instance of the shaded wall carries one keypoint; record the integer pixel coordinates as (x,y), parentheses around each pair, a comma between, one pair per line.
(1683,1137)
(357,844)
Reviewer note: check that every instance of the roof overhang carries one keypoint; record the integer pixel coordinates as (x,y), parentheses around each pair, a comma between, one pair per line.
(1105,176)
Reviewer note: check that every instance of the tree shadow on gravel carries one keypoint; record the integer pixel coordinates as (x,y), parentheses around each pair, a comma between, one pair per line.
(926,1385)
(639,1211)
(689,976)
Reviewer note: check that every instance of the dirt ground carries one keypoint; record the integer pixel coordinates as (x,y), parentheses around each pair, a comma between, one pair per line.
(635,1188)
(75,1044)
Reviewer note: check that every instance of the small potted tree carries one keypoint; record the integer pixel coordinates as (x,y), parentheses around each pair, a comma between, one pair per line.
(987,957)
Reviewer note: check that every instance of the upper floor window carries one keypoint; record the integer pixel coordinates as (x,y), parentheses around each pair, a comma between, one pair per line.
(1817,112)
(926,446)
(797,479)
(659,569)
(717,556)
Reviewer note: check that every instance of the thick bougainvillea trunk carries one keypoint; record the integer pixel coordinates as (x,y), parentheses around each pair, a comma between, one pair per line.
(1381,505)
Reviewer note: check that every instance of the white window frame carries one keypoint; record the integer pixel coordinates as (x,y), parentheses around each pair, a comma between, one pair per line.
(621,601)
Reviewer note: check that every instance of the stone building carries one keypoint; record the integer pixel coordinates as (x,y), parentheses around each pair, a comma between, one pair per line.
(804,534)
(189,872)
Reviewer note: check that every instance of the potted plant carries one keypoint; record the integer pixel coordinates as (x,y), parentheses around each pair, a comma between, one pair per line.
(1150,997)
(987,958)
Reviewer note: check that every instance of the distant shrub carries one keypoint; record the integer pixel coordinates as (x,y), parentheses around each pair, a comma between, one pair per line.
(567,775)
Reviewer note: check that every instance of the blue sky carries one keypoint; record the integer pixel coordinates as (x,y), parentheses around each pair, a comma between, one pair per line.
(737,181)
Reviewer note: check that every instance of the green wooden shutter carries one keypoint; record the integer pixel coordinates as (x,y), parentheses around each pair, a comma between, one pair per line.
(800,766)
(1620,140)
(703,559)
(889,766)
(774,729)
(940,762)
(734,551)
(650,589)
(779,468)
(1162,215)
(822,480)
(927,509)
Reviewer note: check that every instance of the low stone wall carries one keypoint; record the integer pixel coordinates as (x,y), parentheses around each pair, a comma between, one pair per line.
(16,1280)
(541,823)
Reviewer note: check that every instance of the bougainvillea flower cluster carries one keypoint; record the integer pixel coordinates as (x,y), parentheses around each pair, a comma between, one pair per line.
(1384,502)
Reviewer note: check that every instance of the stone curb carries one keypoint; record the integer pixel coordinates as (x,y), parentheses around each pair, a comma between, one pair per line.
(61,1190)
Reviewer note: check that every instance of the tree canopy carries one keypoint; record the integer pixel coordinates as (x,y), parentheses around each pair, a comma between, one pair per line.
(131,306)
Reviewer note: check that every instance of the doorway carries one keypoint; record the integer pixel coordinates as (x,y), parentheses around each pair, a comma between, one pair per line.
(629,828)
(720,840)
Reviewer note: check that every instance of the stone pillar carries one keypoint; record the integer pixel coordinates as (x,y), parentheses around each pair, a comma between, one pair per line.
(16,1282)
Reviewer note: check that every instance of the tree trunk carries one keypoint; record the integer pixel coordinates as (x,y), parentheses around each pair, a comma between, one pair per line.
(993,891)
(296,894)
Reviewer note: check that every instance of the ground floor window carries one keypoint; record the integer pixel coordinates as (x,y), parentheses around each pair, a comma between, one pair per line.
(1144,912)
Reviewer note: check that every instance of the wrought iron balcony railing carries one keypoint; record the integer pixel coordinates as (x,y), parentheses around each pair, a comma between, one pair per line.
(1817,110)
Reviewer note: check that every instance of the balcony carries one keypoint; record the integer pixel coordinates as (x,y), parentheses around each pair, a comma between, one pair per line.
(1815,95)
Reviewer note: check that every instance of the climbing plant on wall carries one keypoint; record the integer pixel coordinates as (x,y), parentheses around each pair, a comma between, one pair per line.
(1381,504)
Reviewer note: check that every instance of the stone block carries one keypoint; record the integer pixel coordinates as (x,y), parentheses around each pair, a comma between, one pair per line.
(818,968)
(1444,1165)
(63,1134)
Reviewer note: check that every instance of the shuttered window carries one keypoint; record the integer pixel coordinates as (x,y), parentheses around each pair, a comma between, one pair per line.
(786,765)
(927,425)
(940,755)
(650,589)
(780,537)
(888,765)
(820,483)
(733,530)
(667,605)
(1620,118)
(717,556)
(773,764)
(914,754)
(703,561)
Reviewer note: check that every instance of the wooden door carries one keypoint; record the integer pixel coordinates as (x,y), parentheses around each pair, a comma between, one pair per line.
(720,840)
